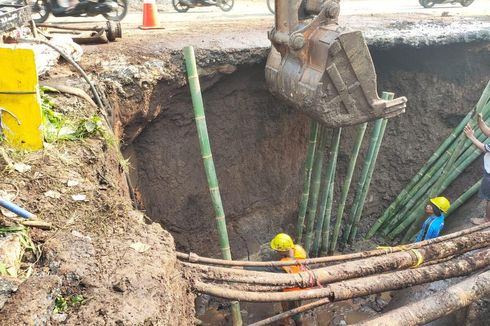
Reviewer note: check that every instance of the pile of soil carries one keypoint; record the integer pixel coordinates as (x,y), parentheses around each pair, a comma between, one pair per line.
(121,269)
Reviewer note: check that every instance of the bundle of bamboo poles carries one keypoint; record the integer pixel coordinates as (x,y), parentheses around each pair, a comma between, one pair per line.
(315,209)
(451,158)
(449,256)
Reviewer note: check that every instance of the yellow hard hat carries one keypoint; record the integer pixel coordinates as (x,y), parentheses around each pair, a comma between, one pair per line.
(299,252)
(282,242)
(442,203)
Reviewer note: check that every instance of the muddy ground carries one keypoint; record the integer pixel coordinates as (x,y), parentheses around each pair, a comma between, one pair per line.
(102,258)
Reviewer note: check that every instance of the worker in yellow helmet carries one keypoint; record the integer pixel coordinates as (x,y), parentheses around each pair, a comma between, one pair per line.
(435,210)
(283,244)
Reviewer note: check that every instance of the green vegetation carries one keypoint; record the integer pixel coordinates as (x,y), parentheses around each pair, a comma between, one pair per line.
(443,167)
(59,127)
(62,304)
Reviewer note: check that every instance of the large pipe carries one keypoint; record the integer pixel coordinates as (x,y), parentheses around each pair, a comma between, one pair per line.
(438,305)
(361,287)
(351,269)
(193,258)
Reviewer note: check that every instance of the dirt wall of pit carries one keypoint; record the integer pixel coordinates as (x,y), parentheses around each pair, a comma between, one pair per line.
(259,144)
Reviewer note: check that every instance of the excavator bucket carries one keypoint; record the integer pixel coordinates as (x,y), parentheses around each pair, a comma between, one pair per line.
(325,72)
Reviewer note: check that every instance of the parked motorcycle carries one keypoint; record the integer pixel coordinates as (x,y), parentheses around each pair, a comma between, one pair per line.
(431,3)
(184,5)
(114,10)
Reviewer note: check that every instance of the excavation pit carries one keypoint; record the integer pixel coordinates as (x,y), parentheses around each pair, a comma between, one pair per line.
(259,148)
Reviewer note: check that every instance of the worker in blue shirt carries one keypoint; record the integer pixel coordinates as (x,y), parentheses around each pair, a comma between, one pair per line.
(435,210)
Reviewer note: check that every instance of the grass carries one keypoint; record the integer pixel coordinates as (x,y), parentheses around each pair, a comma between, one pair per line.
(62,304)
(60,127)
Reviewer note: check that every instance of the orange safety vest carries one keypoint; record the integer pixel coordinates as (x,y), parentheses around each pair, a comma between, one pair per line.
(292,269)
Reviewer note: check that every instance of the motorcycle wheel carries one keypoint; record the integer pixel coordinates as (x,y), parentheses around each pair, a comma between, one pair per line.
(466,3)
(225,5)
(122,10)
(179,7)
(271,5)
(426,3)
(40,10)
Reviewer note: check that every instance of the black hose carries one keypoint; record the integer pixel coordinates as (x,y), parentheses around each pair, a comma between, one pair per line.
(74,64)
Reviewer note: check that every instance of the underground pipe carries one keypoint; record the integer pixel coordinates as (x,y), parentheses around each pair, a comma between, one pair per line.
(361,287)
(351,269)
(438,305)
(193,258)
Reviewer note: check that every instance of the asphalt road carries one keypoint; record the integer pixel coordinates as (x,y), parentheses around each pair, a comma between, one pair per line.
(257,10)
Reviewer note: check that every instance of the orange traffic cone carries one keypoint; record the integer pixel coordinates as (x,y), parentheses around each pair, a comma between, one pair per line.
(150,15)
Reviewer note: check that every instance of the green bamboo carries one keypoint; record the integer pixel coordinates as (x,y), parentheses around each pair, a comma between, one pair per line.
(457,171)
(398,202)
(414,202)
(429,178)
(325,241)
(315,188)
(327,192)
(470,192)
(360,208)
(310,154)
(367,173)
(418,214)
(209,168)
(415,220)
(361,129)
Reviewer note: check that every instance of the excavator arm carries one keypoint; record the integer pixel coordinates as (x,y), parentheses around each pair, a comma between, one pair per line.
(321,69)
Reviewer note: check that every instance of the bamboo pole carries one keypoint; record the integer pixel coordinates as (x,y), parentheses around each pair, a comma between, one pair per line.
(442,150)
(292,312)
(367,173)
(416,199)
(315,188)
(323,226)
(354,288)
(464,197)
(440,304)
(461,163)
(414,219)
(361,129)
(310,154)
(418,215)
(209,168)
(193,258)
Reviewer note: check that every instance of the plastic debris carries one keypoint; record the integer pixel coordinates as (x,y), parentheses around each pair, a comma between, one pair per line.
(72,183)
(21,167)
(139,247)
(79,197)
(46,57)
